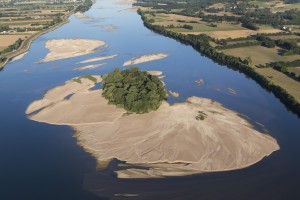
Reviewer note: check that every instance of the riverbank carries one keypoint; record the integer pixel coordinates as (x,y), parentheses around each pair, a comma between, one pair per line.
(159,140)
(27,42)
(25,45)
(201,43)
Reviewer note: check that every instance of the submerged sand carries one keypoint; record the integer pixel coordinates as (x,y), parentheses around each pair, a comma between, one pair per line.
(68,48)
(88,67)
(98,59)
(109,27)
(145,58)
(169,141)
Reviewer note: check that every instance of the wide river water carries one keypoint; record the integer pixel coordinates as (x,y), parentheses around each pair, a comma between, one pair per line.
(40,161)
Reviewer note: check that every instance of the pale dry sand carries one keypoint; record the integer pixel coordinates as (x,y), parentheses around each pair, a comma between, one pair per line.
(89,67)
(145,58)
(98,59)
(134,9)
(170,141)
(155,73)
(19,57)
(125,2)
(173,93)
(68,48)
(83,17)
(59,93)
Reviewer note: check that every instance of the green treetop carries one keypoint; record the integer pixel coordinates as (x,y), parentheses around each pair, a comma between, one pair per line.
(133,90)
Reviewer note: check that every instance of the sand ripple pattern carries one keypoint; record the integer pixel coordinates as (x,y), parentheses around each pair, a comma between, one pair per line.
(170,141)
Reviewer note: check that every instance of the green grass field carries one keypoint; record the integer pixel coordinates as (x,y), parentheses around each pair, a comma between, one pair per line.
(260,54)
(204,27)
(278,78)
(283,37)
(238,42)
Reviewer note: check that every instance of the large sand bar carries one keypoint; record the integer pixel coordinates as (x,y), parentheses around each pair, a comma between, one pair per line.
(169,141)
(145,58)
(68,48)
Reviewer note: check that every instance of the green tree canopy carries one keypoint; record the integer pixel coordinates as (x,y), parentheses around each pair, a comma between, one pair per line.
(134,90)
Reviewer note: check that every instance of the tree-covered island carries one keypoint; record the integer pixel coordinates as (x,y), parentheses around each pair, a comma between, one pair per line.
(134,90)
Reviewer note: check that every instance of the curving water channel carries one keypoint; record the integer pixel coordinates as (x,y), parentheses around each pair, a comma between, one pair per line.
(42,161)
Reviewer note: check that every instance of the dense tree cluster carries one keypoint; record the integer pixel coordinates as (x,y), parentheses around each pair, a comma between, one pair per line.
(291,47)
(186,26)
(239,45)
(291,1)
(266,41)
(4,28)
(133,90)
(247,23)
(12,47)
(85,6)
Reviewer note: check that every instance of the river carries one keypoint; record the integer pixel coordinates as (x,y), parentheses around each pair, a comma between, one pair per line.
(42,161)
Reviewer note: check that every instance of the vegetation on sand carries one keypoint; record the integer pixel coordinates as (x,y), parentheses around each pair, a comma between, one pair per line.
(134,90)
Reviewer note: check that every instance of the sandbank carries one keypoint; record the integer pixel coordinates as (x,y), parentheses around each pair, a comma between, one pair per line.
(134,9)
(83,17)
(168,142)
(145,58)
(155,73)
(68,48)
(98,59)
(173,93)
(19,57)
(125,2)
(89,67)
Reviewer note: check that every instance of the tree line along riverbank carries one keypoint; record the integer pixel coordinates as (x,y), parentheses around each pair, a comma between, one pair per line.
(201,43)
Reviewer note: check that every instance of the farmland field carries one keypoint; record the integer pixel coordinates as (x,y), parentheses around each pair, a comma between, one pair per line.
(260,54)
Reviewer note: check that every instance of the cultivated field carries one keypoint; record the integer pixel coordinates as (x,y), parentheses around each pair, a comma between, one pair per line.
(220,30)
(27,19)
(278,78)
(6,40)
(260,54)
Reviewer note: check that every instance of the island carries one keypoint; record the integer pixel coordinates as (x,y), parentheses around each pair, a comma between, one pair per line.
(69,48)
(158,140)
